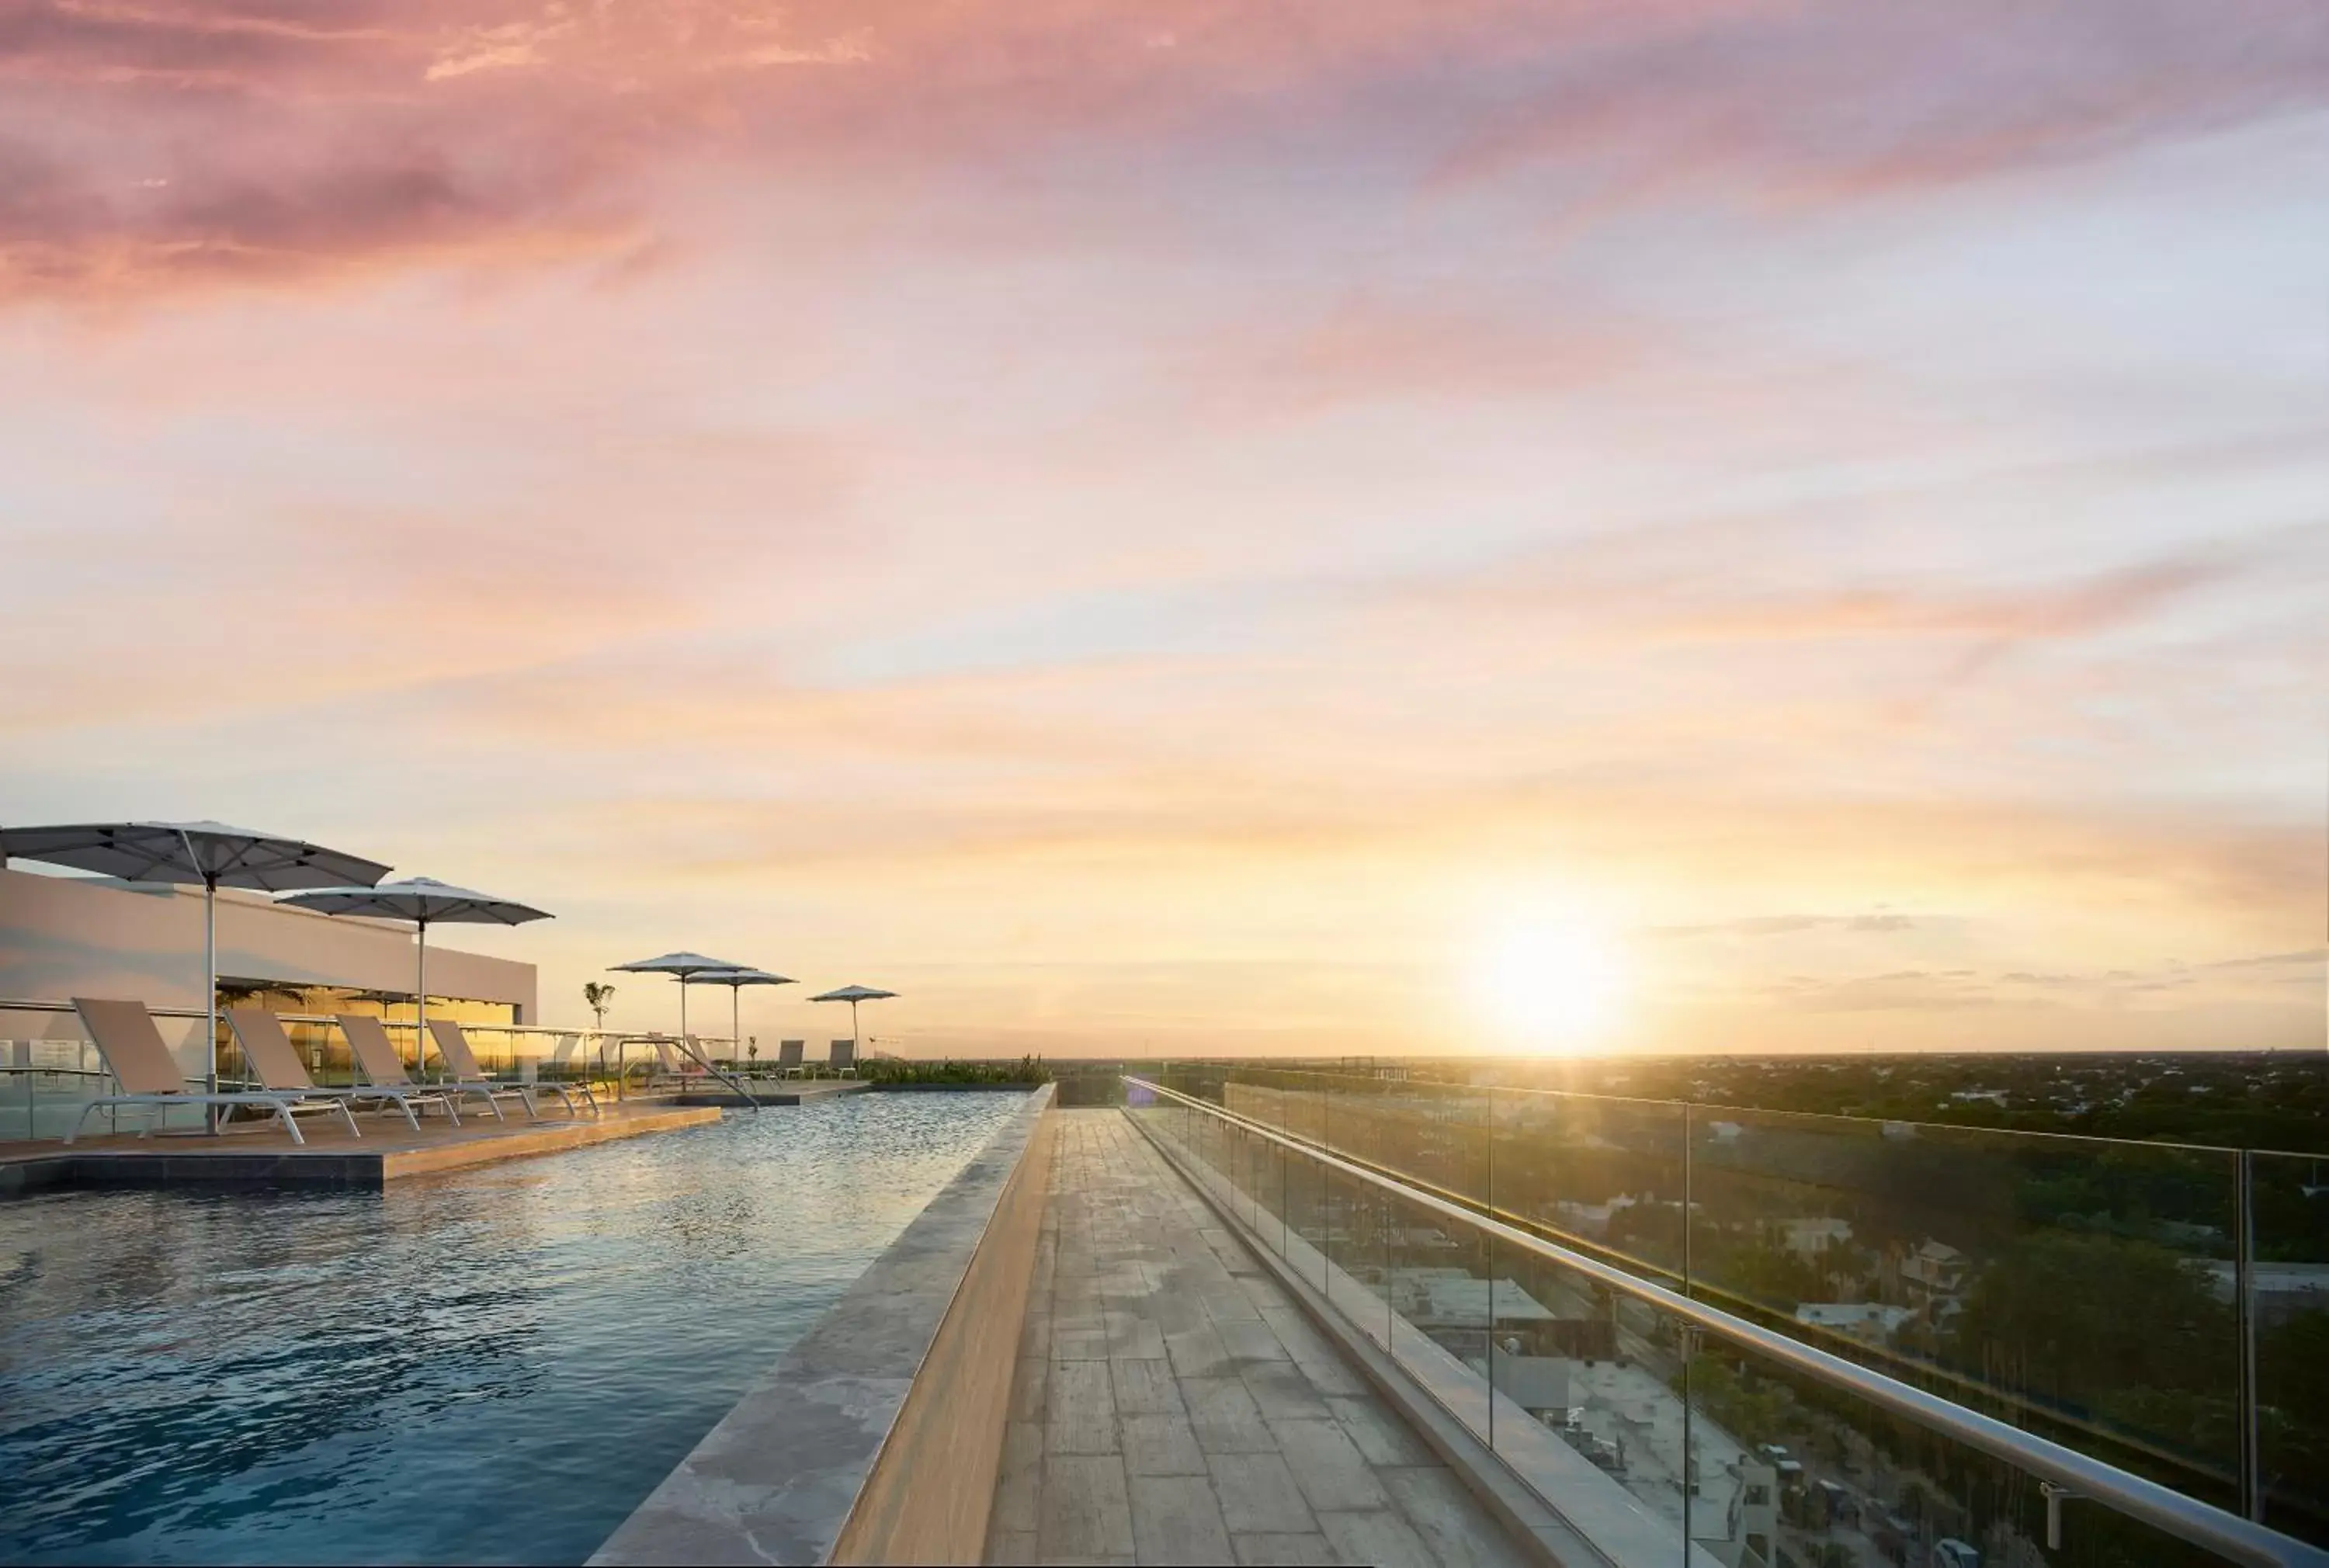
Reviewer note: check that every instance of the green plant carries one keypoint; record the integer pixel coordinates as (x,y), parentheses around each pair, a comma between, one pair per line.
(1027,1070)
(598,997)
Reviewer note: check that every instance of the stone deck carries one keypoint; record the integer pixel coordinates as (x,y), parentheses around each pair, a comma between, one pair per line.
(1172,1405)
(259,1154)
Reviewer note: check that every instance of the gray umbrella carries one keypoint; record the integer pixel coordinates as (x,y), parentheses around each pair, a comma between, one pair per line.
(853,995)
(210,853)
(681,965)
(424,901)
(735,979)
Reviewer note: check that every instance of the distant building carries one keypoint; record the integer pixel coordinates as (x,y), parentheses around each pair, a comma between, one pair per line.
(1807,1238)
(1433,1298)
(1935,1269)
(1872,1321)
(66,937)
(1592,1219)
(2280,1291)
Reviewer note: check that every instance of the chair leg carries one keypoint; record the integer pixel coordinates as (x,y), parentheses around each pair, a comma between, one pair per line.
(348,1115)
(291,1125)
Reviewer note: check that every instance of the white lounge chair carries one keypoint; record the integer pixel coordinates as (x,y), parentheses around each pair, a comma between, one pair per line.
(788,1059)
(376,1054)
(125,1036)
(271,1055)
(843,1060)
(472,1078)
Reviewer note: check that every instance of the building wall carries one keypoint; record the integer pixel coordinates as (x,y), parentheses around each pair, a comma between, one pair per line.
(62,937)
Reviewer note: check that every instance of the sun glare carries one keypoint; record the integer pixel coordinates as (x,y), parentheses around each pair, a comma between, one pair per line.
(1553,987)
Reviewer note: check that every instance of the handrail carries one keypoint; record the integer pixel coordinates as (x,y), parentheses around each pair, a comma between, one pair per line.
(687,1043)
(2162,1507)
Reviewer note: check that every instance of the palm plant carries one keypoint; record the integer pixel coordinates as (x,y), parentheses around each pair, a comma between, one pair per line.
(598,997)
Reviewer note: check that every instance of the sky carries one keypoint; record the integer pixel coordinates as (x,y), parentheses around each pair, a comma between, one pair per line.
(1187,527)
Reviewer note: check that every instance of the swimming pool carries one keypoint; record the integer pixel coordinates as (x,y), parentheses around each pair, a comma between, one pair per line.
(495,1365)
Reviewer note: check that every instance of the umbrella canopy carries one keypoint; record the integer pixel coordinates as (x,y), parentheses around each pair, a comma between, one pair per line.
(423,900)
(736,980)
(213,854)
(853,995)
(681,966)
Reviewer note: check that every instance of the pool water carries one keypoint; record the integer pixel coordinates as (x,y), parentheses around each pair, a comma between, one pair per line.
(494,1364)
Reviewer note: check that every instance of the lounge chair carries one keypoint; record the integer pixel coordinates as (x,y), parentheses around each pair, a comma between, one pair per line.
(471,1078)
(376,1054)
(125,1036)
(843,1060)
(276,1060)
(788,1058)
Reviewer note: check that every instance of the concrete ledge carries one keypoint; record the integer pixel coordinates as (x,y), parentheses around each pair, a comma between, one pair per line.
(385,1154)
(544,1137)
(931,1490)
(779,1479)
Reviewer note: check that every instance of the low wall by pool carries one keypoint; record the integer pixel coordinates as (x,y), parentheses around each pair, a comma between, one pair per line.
(877,1437)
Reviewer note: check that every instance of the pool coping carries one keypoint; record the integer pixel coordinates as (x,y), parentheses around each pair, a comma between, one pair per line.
(777,1479)
(219,1165)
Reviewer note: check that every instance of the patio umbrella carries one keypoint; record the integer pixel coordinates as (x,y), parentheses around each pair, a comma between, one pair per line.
(424,901)
(853,995)
(735,979)
(210,853)
(681,966)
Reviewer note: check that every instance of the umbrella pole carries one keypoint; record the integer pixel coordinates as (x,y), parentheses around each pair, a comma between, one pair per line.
(421,1004)
(736,1024)
(682,1006)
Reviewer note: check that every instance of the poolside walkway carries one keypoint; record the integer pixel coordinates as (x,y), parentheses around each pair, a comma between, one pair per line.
(1174,1405)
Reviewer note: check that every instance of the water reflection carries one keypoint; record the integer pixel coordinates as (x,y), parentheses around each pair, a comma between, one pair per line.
(366,1378)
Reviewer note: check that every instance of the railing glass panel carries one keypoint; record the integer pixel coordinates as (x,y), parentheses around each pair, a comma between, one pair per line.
(2289,1328)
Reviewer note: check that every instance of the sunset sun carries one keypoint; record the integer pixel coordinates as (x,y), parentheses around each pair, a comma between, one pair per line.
(1550,987)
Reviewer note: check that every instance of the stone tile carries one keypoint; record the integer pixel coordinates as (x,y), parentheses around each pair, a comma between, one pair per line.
(1144,1386)
(1161,1444)
(1383,1539)
(1252,1340)
(1382,1438)
(1228,1305)
(1443,1515)
(1019,1479)
(1332,1378)
(1175,1519)
(1131,1335)
(1282,1391)
(1298,1334)
(1079,1345)
(1029,1382)
(1199,1353)
(1010,1547)
(1258,1493)
(1225,1418)
(1329,1467)
(1294,1550)
(1079,1413)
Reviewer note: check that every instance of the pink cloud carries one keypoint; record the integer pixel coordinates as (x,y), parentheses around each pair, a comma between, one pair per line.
(166,145)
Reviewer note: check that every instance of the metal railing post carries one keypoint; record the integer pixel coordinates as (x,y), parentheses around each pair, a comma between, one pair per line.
(2244,1303)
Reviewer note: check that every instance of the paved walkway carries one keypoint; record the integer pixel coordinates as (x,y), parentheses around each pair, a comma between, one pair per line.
(1173,1405)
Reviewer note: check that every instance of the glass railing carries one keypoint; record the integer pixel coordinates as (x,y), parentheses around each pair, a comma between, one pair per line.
(2083,1291)
(51,1071)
